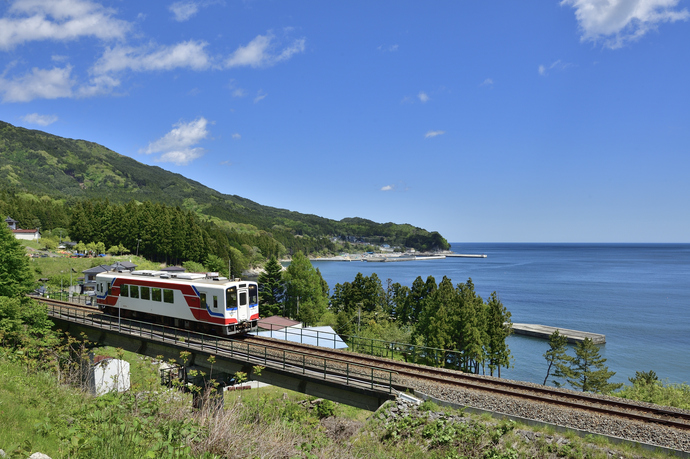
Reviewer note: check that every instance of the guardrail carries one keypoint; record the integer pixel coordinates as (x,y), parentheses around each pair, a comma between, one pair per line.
(346,373)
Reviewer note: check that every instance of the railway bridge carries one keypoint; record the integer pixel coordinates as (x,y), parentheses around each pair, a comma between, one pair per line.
(358,385)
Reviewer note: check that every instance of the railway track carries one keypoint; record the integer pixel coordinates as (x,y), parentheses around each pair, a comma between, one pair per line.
(543,394)
(407,375)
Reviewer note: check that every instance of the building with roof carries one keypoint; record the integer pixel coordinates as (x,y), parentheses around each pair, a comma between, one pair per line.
(27,235)
(174,269)
(12,224)
(123,266)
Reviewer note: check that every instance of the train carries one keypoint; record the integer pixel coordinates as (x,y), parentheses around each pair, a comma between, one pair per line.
(206,302)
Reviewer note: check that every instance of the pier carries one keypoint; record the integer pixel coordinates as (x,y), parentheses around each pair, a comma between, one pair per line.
(545,331)
(465,255)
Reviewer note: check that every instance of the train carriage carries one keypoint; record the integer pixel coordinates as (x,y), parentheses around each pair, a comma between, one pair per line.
(204,302)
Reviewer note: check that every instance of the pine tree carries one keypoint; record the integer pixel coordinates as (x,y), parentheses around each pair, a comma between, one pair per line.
(588,370)
(557,358)
(498,328)
(271,289)
(470,341)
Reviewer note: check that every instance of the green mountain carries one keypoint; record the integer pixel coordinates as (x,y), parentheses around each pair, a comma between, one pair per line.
(69,171)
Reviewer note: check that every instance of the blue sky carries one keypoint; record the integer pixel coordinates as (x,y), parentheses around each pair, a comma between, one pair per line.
(509,121)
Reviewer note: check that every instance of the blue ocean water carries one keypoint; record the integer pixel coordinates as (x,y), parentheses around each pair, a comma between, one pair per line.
(638,295)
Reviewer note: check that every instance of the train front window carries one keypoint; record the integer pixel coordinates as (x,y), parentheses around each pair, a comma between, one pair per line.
(231,298)
(253,294)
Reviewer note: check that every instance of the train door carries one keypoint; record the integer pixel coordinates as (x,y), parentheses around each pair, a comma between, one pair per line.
(243,305)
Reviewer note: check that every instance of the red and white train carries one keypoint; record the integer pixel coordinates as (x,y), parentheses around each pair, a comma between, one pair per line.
(203,302)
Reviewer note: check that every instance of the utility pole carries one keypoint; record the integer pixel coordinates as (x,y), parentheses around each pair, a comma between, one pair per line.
(138,241)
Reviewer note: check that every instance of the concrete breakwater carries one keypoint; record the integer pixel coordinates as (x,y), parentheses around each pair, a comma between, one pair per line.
(545,331)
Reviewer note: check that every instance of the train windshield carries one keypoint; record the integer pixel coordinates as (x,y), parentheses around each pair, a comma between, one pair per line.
(231,298)
(253,294)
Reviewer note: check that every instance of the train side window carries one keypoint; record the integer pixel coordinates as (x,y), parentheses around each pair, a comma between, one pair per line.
(243,299)
(253,294)
(155,294)
(109,285)
(168,296)
(215,302)
(202,297)
(145,293)
(124,290)
(134,291)
(231,298)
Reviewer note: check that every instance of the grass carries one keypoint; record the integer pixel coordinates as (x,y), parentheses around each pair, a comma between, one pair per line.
(37,414)
(28,405)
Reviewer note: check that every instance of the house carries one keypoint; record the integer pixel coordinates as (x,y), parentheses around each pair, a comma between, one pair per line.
(174,269)
(11,223)
(277,323)
(27,235)
(123,266)
(90,276)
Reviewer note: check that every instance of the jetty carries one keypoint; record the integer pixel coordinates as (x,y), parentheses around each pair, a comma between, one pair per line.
(545,331)
(393,258)
(465,255)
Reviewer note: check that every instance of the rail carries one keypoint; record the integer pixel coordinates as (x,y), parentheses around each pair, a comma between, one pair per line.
(350,374)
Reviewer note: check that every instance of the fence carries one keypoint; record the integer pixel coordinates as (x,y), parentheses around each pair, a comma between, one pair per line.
(268,356)
(398,351)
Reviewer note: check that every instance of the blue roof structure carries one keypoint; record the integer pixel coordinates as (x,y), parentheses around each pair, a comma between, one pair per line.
(315,336)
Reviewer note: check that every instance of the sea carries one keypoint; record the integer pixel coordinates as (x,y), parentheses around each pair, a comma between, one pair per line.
(638,295)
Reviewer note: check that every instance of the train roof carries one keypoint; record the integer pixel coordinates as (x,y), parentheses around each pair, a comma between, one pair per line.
(205,278)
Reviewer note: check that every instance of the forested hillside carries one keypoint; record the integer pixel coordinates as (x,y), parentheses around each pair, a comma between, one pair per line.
(45,178)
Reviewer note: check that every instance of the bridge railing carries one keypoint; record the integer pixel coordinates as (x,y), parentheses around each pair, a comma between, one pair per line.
(272,356)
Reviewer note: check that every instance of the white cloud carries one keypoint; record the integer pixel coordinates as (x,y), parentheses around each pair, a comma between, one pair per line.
(260,96)
(239,92)
(177,145)
(100,84)
(388,48)
(183,10)
(430,134)
(557,65)
(190,54)
(62,20)
(388,188)
(262,52)
(236,136)
(41,120)
(487,82)
(617,22)
(38,84)
(423,96)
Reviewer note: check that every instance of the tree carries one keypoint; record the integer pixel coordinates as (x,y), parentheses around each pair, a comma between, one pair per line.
(588,370)
(557,357)
(271,289)
(472,335)
(238,263)
(438,320)
(498,328)
(305,299)
(16,279)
